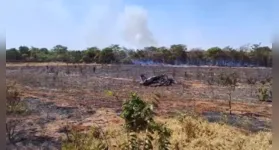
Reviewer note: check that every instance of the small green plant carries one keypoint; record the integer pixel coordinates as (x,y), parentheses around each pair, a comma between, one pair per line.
(113,94)
(142,130)
(139,118)
(137,114)
(164,136)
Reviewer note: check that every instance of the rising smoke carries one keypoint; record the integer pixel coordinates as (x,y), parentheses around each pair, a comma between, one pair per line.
(135,29)
(114,22)
(78,24)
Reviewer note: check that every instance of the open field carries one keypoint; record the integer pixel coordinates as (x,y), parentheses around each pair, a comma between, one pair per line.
(60,94)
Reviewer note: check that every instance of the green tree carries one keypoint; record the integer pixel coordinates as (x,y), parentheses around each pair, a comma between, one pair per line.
(91,55)
(34,53)
(44,51)
(213,54)
(24,52)
(196,56)
(60,49)
(179,52)
(75,56)
(13,55)
(176,54)
(167,55)
(262,55)
(119,53)
(107,56)
(61,53)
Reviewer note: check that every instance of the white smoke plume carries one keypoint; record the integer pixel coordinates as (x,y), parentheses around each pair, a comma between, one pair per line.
(76,25)
(135,27)
(114,22)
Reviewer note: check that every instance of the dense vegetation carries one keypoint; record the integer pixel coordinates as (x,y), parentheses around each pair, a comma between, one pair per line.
(255,55)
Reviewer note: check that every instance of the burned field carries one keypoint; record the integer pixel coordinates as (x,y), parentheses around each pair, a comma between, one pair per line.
(59,95)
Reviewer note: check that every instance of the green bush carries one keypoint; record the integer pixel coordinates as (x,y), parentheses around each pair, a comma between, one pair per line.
(143,133)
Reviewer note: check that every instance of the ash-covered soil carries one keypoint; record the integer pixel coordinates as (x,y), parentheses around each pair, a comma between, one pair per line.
(42,126)
(59,95)
(127,77)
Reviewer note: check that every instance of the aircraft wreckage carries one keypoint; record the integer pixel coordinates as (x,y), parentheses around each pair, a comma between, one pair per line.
(160,80)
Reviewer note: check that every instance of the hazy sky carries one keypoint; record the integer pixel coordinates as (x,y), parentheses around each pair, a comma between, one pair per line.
(79,24)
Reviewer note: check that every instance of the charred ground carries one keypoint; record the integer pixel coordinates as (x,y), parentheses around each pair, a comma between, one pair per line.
(56,95)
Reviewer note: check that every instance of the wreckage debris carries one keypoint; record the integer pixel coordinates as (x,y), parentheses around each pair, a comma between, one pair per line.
(160,80)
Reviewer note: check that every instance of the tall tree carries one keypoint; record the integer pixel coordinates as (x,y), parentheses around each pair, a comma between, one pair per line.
(61,53)
(13,55)
(179,52)
(107,56)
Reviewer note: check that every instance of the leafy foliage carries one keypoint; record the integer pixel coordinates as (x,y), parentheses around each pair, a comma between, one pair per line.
(230,79)
(137,114)
(164,136)
(142,131)
(175,54)
(264,92)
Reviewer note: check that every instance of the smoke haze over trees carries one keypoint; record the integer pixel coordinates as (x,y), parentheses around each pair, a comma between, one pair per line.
(177,54)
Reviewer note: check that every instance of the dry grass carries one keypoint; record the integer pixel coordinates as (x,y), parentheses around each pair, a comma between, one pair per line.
(198,134)
(193,133)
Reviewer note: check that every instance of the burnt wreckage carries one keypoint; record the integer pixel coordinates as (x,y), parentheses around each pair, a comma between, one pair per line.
(160,80)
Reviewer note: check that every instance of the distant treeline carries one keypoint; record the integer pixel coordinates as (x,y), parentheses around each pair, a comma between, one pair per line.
(255,55)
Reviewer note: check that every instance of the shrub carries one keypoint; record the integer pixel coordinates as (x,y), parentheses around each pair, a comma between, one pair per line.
(13,100)
(142,131)
(264,92)
(138,114)
(139,117)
